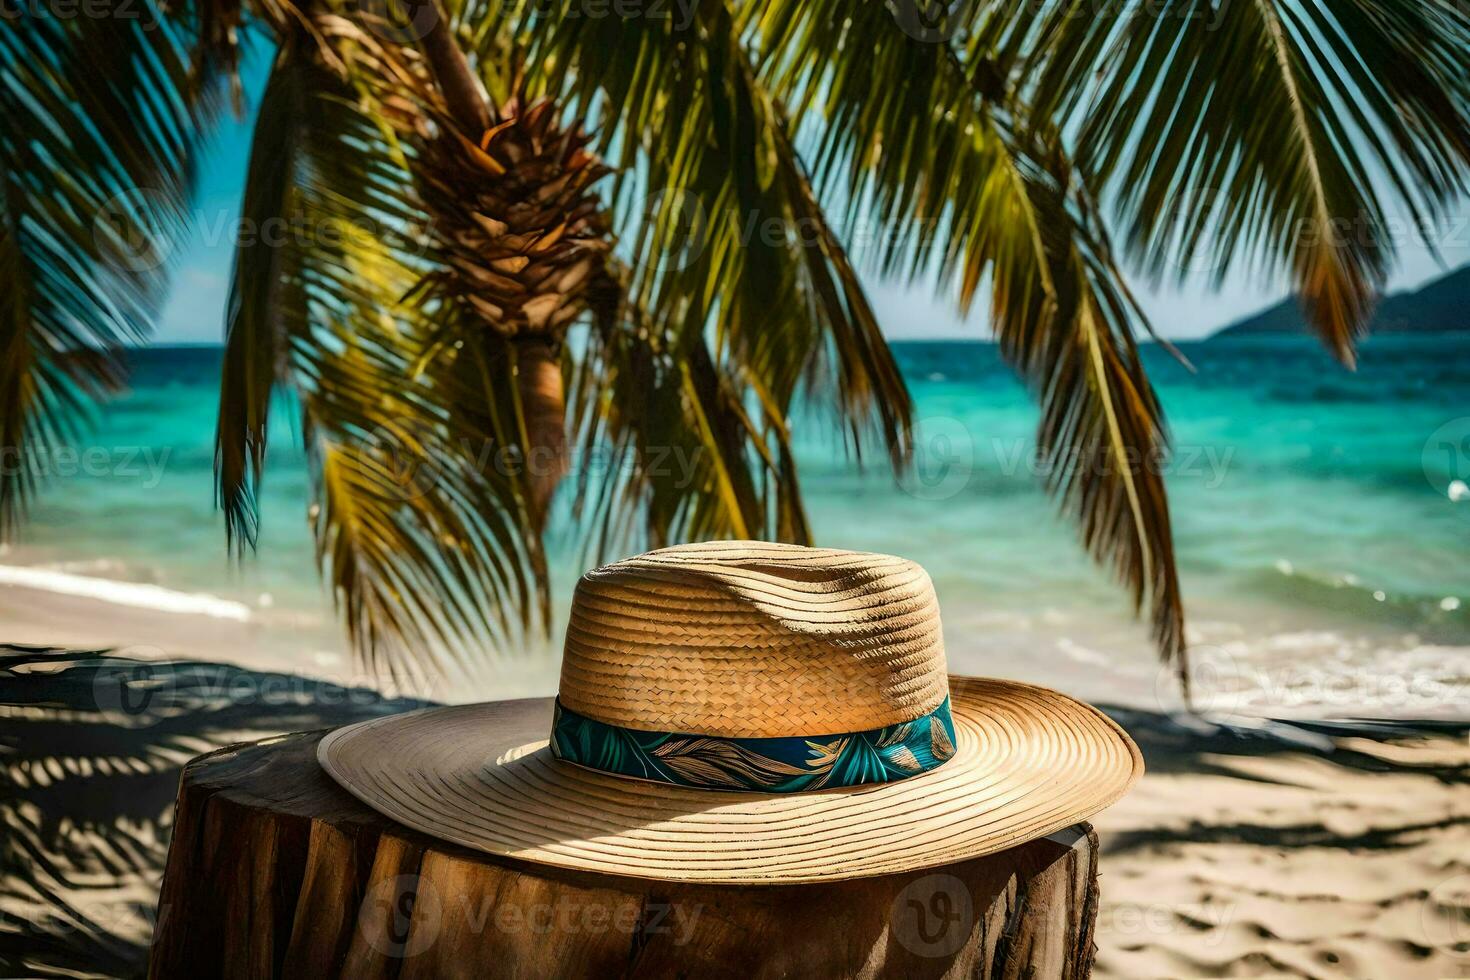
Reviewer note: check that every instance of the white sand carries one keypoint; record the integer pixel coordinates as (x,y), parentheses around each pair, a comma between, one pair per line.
(1238,858)
(1290,852)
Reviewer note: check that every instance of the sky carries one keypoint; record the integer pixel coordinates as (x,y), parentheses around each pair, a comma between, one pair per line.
(194,312)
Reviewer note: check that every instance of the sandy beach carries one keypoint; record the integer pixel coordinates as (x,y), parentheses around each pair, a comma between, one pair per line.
(1255,849)
(1301,850)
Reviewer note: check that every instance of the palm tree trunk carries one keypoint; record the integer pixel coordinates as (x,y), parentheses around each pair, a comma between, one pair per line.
(543,399)
(538,378)
(451,70)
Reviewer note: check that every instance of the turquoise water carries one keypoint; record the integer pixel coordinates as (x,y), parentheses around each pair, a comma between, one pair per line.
(1322,545)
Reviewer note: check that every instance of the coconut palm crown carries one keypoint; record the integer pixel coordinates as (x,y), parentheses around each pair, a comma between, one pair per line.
(532,241)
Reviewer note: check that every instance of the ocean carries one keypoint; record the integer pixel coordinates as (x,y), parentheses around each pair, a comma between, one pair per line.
(1322,522)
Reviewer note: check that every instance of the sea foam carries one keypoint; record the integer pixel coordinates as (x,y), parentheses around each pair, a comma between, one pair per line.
(137,594)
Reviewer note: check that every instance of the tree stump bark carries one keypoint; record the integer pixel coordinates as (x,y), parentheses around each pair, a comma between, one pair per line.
(275,871)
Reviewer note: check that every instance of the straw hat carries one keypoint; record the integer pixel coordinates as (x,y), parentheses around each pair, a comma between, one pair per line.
(746,712)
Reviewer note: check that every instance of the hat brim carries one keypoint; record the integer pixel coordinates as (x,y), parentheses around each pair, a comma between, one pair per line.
(1028,762)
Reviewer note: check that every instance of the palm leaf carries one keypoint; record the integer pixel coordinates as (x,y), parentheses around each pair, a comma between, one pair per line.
(722,763)
(424,544)
(96,159)
(940,744)
(691,126)
(976,198)
(1279,134)
(686,449)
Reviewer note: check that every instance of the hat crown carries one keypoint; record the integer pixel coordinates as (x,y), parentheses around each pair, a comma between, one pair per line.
(747,639)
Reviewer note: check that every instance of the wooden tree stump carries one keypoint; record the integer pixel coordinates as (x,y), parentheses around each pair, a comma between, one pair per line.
(274,870)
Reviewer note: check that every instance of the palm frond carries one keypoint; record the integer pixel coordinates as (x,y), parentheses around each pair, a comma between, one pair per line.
(260,319)
(673,448)
(1102,430)
(425,548)
(423,540)
(716,205)
(96,162)
(1278,134)
(974,198)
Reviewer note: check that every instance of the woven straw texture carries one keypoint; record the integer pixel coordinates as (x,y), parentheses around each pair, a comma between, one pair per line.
(1028,763)
(751,639)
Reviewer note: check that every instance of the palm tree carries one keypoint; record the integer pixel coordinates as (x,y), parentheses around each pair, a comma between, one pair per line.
(509,303)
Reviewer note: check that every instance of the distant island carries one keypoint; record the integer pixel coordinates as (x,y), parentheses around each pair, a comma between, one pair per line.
(1442,306)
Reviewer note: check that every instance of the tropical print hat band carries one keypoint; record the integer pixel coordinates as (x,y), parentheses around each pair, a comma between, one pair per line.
(783,764)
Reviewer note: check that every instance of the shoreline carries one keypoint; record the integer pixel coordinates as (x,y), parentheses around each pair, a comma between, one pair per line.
(35,615)
(272,640)
(134,595)
(1234,684)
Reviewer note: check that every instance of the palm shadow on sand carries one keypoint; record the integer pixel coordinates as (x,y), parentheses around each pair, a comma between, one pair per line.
(91,747)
